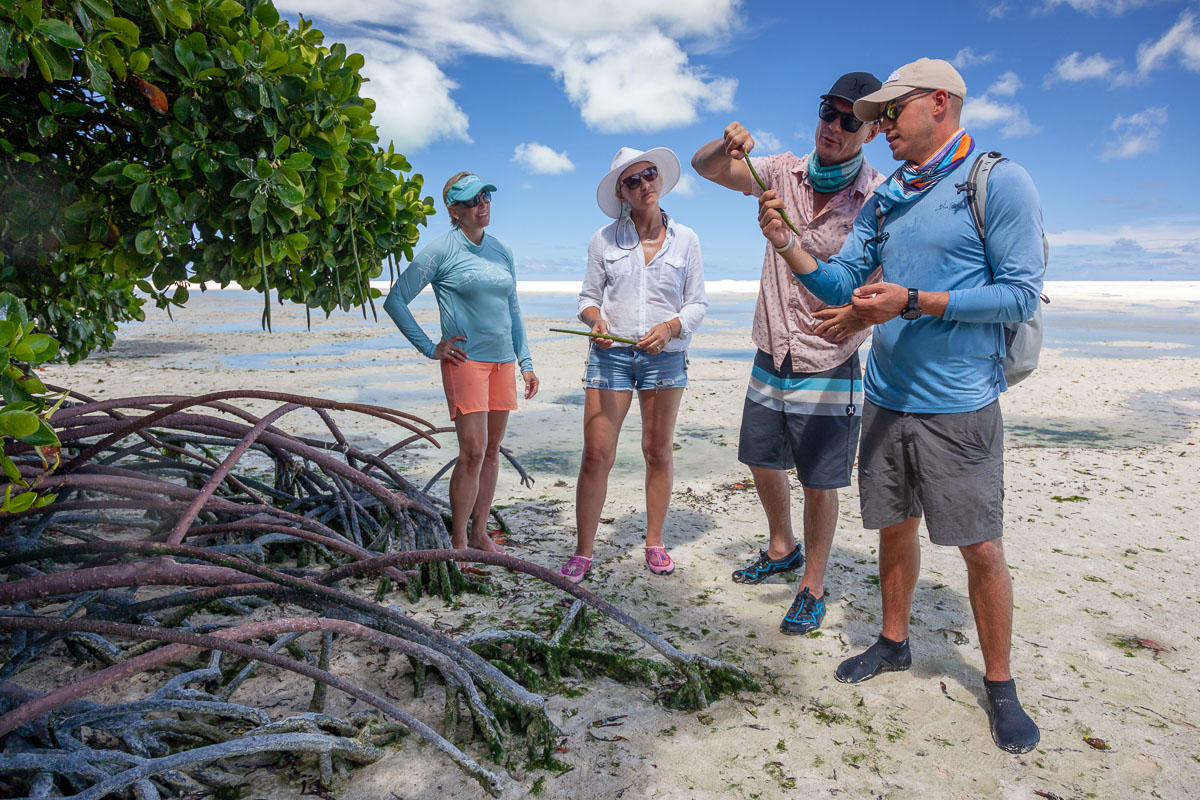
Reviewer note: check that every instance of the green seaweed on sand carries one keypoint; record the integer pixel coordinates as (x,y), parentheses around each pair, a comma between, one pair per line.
(775,770)
(1132,644)
(541,664)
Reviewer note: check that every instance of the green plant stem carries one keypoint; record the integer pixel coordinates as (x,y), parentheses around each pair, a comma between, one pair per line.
(594,335)
(763,186)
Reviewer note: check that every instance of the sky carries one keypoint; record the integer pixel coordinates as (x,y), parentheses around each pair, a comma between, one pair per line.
(1098,99)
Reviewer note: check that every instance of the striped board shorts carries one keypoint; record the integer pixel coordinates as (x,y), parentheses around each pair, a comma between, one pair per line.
(806,420)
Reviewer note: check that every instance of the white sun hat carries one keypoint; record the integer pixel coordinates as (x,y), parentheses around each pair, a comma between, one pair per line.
(661,157)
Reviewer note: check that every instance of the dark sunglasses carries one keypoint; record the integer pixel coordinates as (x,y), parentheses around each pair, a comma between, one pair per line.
(891,111)
(650,173)
(829,113)
(483,197)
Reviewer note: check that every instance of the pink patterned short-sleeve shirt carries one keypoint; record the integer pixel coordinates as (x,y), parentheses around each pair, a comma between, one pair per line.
(783,317)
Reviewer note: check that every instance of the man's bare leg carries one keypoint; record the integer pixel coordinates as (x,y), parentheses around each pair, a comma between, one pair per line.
(820,522)
(899,566)
(775,494)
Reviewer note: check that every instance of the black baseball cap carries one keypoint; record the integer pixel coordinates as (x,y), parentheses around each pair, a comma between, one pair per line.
(852,86)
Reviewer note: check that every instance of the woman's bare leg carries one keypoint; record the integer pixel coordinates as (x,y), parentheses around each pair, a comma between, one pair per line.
(497,421)
(603,412)
(472,430)
(660,407)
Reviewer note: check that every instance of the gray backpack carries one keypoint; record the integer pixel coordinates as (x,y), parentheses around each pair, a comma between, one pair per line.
(1022,340)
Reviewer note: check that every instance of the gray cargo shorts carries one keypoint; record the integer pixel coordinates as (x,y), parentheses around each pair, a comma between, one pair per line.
(948,468)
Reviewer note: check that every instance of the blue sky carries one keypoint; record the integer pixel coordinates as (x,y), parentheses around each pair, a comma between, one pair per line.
(1096,98)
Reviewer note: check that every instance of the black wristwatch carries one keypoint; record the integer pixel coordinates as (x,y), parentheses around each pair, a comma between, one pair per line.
(911,311)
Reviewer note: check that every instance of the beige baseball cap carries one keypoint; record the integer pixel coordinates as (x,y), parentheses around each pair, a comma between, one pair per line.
(924,73)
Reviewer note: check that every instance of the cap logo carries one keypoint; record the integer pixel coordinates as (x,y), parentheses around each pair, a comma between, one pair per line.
(895,76)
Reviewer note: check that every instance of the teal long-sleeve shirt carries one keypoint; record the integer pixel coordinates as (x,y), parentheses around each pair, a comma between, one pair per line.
(947,364)
(476,290)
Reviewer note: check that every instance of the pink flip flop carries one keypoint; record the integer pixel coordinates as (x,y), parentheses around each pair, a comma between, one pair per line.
(659,560)
(575,568)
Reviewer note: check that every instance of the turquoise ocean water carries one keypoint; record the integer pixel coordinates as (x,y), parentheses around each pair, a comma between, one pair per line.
(1136,329)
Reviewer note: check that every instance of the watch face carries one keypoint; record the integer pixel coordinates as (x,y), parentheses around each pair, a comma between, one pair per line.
(909,314)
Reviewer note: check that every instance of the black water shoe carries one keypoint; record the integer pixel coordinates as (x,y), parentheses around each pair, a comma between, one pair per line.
(1012,729)
(804,616)
(883,656)
(764,566)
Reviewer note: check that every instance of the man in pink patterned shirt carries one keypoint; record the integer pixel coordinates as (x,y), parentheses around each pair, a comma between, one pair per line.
(803,405)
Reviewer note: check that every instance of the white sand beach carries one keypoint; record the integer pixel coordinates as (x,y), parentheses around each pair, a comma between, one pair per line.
(1102,538)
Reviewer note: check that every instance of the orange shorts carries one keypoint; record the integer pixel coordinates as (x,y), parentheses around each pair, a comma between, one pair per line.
(479,386)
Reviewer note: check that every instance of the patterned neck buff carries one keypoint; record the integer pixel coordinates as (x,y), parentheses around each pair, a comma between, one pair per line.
(909,182)
(835,177)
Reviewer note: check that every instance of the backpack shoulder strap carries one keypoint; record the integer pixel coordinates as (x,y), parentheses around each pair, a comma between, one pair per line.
(880,213)
(977,189)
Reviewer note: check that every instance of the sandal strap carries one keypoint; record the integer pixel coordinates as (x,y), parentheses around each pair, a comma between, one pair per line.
(658,556)
(576,565)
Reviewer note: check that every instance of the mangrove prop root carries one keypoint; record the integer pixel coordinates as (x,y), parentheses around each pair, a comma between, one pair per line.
(188,641)
(158,471)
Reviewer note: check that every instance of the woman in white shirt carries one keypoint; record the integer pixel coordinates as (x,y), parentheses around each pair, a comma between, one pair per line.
(644,281)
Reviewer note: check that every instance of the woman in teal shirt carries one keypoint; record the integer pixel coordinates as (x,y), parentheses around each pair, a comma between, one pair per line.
(482,336)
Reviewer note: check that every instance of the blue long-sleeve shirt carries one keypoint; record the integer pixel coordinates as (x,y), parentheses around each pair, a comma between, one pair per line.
(951,363)
(476,290)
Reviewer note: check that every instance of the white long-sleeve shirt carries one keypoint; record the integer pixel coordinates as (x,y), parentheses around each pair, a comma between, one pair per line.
(634,296)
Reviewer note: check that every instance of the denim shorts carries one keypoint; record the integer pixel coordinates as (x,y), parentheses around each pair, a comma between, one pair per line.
(624,369)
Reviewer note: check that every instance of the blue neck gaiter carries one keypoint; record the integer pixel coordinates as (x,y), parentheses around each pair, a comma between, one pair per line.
(835,177)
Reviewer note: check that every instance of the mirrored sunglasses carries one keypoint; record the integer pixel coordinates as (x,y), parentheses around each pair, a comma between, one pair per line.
(648,174)
(893,109)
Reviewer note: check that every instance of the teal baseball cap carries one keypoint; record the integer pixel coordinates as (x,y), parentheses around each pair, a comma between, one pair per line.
(467,187)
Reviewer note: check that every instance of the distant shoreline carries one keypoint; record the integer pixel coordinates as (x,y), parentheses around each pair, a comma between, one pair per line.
(1176,293)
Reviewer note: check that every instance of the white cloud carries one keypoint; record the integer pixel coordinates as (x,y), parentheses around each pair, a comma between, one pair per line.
(1072,68)
(986,111)
(1181,41)
(1006,86)
(542,159)
(983,112)
(766,142)
(686,185)
(593,46)
(1094,7)
(1125,244)
(1136,134)
(967,58)
(413,106)
(1162,235)
(588,18)
(644,84)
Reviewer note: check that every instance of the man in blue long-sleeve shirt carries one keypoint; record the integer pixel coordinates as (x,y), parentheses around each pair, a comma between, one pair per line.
(933,438)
